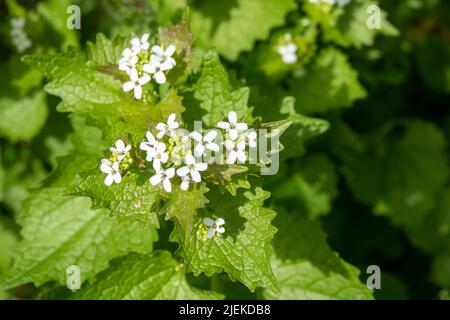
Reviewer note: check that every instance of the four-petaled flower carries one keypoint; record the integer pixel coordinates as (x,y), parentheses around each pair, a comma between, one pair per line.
(235,151)
(121,150)
(166,129)
(250,138)
(112,171)
(204,142)
(214,226)
(158,155)
(192,168)
(232,126)
(165,56)
(163,176)
(288,53)
(157,67)
(140,45)
(136,83)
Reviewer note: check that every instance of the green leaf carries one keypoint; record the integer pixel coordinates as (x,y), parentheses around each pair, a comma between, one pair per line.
(157,277)
(134,198)
(314,186)
(351,28)
(398,170)
(301,129)
(329,83)
(306,267)
(242,251)
(234,26)
(60,231)
(22,119)
(216,94)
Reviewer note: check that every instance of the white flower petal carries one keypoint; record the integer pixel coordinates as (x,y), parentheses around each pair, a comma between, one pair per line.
(196,177)
(144,79)
(149,68)
(210,136)
(167,185)
(199,149)
(220,229)
(201,166)
(108,180)
(184,185)
(138,92)
(229,145)
(223,125)
(128,86)
(157,50)
(231,157)
(232,117)
(160,77)
(241,126)
(105,168)
(117,177)
(233,133)
(242,156)
(156,179)
(183,171)
(210,233)
(220,222)
(189,159)
(170,172)
(134,75)
(208,222)
(197,136)
(170,50)
(213,147)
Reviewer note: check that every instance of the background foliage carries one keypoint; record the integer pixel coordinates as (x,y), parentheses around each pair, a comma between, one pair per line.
(364,177)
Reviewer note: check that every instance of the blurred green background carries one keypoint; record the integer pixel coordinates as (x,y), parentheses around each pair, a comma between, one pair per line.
(377,180)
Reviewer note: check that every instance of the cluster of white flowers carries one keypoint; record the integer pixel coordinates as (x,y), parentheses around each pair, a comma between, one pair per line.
(143,63)
(118,163)
(341,3)
(171,155)
(18,36)
(288,50)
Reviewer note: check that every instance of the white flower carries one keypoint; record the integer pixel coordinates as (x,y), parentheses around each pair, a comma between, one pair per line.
(157,68)
(232,126)
(288,53)
(192,168)
(17,23)
(163,176)
(158,155)
(121,150)
(165,56)
(136,83)
(140,45)
(18,36)
(112,171)
(214,226)
(250,138)
(203,142)
(185,182)
(166,129)
(128,60)
(148,145)
(235,151)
